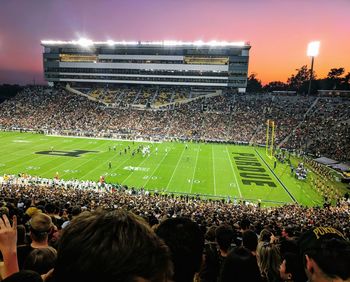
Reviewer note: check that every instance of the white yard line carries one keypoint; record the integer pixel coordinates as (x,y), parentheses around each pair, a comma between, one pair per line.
(194,171)
(234,174)
(155,170)
(135,170)
(212,151)
(171,178)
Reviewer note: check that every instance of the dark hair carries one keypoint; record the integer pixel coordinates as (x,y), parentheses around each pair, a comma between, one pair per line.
(294,266)
(244,224)
(333,258)
(41,260)
(186,242)
(210,234)
(111,246)
(76,210)
(250,240)
(288,246)
(224,236)
(38,236)
(240,266)
(50,208)
(21,235)
(24,276)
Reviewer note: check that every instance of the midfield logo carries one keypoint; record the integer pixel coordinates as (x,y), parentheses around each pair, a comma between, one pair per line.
(74,153)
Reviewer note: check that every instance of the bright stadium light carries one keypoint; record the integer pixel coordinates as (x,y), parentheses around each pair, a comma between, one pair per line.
(84,42)
(312,48)
(110,42)
(312,51)
(199,43)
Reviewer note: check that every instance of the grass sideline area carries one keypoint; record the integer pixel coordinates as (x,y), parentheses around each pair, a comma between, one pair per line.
(211,170)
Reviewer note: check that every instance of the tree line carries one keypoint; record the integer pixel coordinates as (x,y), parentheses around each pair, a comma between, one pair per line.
(336,78)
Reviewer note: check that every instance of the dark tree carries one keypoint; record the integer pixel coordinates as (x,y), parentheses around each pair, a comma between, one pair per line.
(346,82)
(334,76)
(300,80)
(335,73)
(276,86)
(254,84)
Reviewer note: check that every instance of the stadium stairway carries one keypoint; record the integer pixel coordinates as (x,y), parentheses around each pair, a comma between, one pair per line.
(137,96)
(154,96)
(77,92)
(184,101)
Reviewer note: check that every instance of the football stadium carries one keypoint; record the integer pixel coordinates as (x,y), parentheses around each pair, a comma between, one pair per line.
(171,118)
(168,160)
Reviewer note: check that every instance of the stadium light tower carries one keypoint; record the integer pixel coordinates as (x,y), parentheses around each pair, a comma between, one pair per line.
(312,51)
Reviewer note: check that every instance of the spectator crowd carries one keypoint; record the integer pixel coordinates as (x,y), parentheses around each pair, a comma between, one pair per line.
(68,232)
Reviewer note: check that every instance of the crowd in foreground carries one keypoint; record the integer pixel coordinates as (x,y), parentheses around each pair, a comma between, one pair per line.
(72,233)
(319,126)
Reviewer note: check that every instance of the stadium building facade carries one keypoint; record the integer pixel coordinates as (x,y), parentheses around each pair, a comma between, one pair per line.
(200,64)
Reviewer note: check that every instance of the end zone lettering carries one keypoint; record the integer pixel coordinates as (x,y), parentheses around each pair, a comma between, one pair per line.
(251,170)
(74,153)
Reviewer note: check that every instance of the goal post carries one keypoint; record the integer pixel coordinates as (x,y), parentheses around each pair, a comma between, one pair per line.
(270,138)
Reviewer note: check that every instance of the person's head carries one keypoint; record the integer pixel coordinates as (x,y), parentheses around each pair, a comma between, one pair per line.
(269,259)
(265,235)
(291,268)
(41,260)
(111,246)
(287,232)
(21,235)
(210,234)
(240,266)
(24,276)
(50,208)
(244,224)
(76,210)
(288,246)
(40,227)
(186,242)
(250,240)
(224,235)
(326,254)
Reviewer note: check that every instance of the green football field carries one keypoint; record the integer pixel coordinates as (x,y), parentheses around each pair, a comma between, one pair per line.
(211,170)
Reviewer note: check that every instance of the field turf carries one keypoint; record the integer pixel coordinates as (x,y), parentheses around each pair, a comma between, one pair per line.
(211,170)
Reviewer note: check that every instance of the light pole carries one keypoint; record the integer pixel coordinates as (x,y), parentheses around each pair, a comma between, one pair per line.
(312,51)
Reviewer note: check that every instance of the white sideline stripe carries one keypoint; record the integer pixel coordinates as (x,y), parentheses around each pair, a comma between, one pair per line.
(234,174)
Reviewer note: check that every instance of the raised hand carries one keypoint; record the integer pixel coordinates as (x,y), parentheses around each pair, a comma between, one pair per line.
(8,244)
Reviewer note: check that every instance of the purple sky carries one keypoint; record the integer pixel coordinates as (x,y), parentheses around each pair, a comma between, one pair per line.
(278,30)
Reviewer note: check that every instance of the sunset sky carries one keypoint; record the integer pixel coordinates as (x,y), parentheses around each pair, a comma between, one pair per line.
(278,30)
